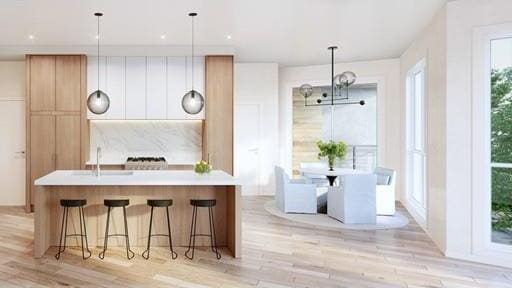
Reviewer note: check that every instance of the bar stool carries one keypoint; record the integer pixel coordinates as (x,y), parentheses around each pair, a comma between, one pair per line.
(210,203)
(164,203)
(73,203)
(111,203)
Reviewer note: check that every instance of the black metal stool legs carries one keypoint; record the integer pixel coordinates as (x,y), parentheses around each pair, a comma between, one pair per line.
(213,238)
(193,234)
(63,230)
(174,255)
(64,233)
(105,243)
(145,254)
(128,250)
(84,234)
(192,246)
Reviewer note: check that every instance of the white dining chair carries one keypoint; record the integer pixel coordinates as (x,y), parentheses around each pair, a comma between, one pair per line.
(353,201)
(294,195)
(386,183)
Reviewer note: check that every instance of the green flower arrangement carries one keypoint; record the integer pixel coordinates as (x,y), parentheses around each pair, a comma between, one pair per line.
(332,151)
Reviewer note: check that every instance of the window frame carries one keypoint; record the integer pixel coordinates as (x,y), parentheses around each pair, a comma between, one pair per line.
(420,68)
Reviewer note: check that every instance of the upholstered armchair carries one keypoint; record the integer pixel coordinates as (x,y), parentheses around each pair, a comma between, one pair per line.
(386,182)
(294,195)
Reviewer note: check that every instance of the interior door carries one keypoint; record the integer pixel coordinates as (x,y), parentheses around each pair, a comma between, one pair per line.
(12,153)
(247,137)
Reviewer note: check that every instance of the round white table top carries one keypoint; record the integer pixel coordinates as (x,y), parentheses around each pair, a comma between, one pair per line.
(335,172)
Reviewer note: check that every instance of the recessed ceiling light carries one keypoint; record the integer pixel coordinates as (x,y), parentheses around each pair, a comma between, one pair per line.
(228,37)
(97,37)
(163,37)
(31,37)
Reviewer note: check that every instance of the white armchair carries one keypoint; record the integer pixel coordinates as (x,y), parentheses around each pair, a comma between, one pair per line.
(294,196)
(386,182)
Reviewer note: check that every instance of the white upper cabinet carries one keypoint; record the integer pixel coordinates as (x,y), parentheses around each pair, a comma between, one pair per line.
(156,88)
(92,80)
(176,86)
(116,84)
(145,87)
(135,87)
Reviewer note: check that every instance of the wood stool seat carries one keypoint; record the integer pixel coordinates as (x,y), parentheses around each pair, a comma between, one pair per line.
(159,202)
(116,202)
(203,202)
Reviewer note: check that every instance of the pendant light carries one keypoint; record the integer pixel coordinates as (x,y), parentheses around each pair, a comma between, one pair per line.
(339,83)
(192,102)
(98,102)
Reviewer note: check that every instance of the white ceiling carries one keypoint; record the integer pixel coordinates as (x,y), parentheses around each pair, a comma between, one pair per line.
(289,32)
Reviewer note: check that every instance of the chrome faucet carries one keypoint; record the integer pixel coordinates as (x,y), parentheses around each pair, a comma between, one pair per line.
(98,166)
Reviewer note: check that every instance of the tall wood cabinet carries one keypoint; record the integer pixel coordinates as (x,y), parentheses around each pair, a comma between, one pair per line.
(218,124)
(55,93)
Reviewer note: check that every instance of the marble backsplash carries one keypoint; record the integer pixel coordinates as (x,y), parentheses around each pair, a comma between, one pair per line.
(180,142)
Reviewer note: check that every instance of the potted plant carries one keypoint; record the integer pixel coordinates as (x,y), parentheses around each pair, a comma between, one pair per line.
(331,150)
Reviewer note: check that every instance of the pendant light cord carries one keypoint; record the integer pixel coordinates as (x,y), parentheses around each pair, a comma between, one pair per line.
(193,52)
(98,53)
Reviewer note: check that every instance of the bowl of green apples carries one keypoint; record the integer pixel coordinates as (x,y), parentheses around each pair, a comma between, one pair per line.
(202,167)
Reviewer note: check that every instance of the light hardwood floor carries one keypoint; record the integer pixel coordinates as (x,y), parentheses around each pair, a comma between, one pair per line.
(275,253)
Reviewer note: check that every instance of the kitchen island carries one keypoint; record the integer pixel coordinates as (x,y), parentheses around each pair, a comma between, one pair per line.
(137,186)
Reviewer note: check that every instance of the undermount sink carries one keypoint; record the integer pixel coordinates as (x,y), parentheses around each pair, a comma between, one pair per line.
(102,173)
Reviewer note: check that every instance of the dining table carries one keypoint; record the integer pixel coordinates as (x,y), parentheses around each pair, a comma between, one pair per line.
(331,174)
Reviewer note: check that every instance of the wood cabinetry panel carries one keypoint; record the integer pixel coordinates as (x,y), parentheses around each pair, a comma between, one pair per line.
(42,147)
(67,142)
(67,79)
(218,127)
(57,128)
(42,83)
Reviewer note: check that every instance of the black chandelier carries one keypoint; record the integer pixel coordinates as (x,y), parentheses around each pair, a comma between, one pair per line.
(339,88)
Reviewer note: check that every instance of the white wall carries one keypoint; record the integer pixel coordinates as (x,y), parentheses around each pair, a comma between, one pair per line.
(12,79)
(12,95)
(386,73)
(257,83)
(431,46)
(463,16)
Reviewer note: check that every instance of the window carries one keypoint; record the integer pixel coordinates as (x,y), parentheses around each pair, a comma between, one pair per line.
(501,140)
(416,154)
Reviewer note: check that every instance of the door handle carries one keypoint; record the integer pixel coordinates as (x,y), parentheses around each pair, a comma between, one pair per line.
(21,152)
(253,150)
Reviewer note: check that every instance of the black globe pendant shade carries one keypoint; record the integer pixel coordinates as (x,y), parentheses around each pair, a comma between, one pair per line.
(192,102)
(98,101)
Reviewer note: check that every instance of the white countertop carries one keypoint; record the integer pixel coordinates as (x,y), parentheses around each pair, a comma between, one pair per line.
(137,178)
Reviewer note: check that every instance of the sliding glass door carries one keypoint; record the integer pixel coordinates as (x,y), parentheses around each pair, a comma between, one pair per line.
(501,140)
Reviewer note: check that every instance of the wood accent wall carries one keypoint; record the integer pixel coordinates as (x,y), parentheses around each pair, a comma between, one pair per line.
(57,134)
(218,125)
(307,129)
